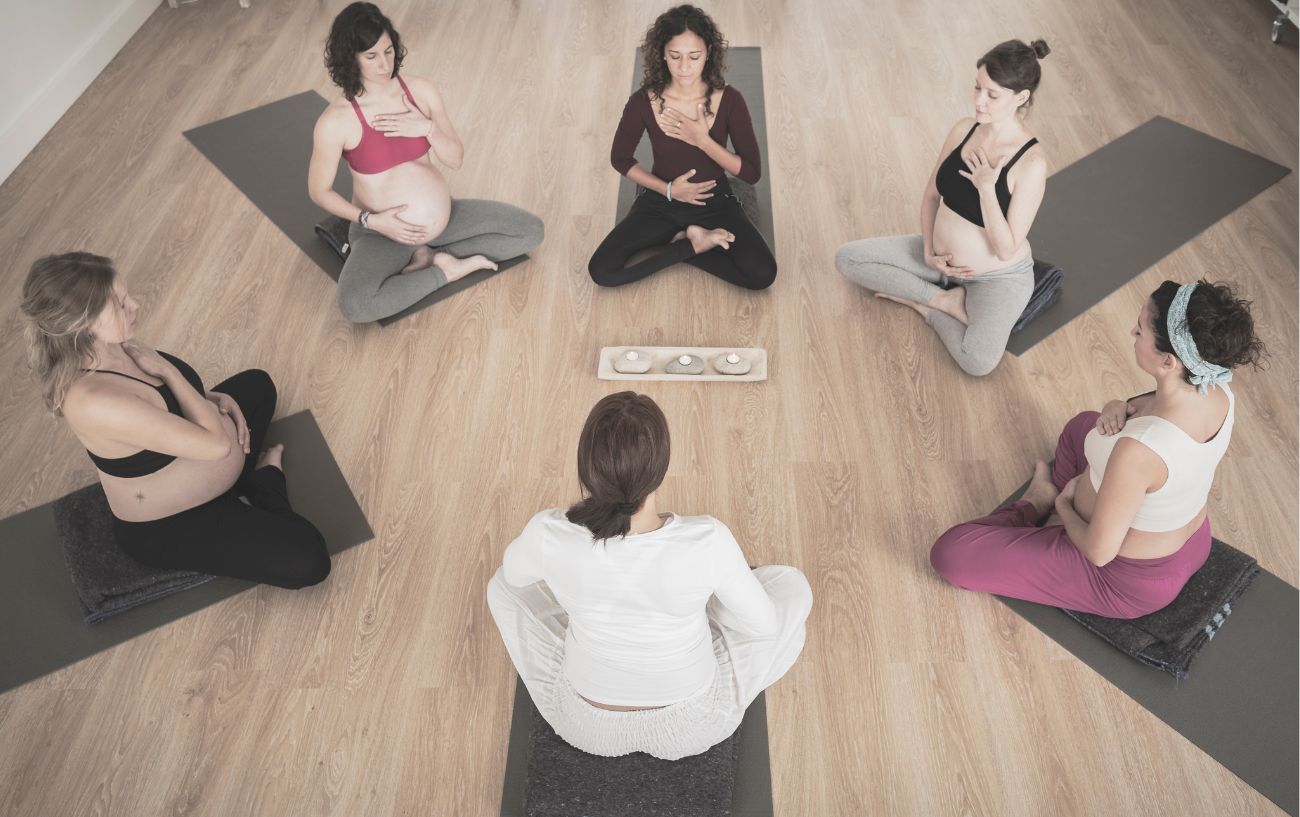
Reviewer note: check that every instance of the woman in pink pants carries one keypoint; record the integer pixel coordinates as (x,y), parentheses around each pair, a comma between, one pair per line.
(1127,491)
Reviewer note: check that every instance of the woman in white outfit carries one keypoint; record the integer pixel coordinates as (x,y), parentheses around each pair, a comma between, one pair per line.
(637,631)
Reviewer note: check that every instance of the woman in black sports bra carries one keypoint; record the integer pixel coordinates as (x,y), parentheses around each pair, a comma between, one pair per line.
(970,272)
(176,463)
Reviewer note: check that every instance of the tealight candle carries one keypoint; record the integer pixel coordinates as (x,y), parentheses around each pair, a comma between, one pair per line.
(632,355)
(733,358)
(685,360)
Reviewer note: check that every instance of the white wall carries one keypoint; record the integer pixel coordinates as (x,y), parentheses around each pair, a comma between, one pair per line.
(52,51)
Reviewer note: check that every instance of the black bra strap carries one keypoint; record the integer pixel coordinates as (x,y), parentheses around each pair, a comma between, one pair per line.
(969,134)
(123,374)
(1021,152)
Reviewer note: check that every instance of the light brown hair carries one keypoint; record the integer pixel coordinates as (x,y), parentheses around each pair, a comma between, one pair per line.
(62,297)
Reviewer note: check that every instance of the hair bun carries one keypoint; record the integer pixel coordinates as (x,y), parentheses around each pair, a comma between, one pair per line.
(1040,47)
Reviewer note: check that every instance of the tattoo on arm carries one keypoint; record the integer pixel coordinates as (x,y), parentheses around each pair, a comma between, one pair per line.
(139,498)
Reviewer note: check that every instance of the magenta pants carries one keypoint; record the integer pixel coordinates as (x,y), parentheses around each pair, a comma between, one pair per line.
(1007,554)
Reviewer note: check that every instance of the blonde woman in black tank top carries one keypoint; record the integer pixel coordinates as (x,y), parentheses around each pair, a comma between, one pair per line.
(175,461)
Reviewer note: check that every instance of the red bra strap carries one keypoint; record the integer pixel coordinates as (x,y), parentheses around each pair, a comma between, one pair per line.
(408,92)
(360,116)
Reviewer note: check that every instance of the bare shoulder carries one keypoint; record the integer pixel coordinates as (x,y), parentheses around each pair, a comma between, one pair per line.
(419,84)
(1033,163)
(90,401)
(339,108)
(957,133)
(1130,454)
(962,127)
(422,87)
(336,117)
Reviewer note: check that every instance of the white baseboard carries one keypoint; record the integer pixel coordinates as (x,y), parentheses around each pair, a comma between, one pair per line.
(28,126)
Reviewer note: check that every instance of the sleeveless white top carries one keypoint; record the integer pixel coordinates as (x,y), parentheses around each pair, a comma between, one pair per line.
(1191,466)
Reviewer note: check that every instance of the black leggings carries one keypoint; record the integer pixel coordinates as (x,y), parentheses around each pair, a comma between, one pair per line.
(654,220)
(264,541)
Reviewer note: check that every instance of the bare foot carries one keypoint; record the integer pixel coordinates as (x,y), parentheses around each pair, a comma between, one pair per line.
(952,302)
(1041,492)
(704,240)
(422,258)
(921,310)
(456,268)
(271,457)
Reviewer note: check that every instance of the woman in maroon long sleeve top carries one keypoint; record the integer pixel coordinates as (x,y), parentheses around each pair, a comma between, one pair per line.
(685,204)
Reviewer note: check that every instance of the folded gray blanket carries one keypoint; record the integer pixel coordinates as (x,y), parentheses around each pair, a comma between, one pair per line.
(334,232)
(1170,638)
(564,781)
(1048,279)
(107,580)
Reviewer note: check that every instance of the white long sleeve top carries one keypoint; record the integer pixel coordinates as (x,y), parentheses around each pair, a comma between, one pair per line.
(638,634)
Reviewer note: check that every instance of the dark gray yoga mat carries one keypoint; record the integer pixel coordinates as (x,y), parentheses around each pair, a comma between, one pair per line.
(40,617)
(1239,704)
(745,72)
(752,792)
(1117,211)
(265,152)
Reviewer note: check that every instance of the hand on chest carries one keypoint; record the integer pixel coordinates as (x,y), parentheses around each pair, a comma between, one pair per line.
(686,120)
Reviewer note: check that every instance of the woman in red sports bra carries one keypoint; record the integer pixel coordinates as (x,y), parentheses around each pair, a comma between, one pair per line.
(408,236)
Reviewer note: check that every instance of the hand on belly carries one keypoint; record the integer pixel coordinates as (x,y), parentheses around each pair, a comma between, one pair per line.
(427,212)
(417,186)
(966,242)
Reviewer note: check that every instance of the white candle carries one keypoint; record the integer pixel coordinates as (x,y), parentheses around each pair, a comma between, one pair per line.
(632,355)
(733,358)
(685,360)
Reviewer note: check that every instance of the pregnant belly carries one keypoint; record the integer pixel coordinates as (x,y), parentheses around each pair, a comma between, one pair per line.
(968,243)
(416,184)
(1137,544)
(180,485)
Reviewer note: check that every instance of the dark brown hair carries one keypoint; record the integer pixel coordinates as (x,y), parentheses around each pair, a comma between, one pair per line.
(622,458)
(357,28)
(62,297)
(676,21)
(1219,321)
(1014,66)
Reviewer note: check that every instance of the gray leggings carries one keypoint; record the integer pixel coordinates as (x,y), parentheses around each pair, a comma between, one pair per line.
(895,265)
(371,285)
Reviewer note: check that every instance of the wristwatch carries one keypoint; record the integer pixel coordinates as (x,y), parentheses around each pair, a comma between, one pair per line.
(363,218)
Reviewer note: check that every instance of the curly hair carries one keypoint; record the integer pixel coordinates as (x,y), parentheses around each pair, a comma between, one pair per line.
(1219,321)
(671,23)
(357,28)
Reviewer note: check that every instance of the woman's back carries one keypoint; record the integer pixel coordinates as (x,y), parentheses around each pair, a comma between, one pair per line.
(638,633)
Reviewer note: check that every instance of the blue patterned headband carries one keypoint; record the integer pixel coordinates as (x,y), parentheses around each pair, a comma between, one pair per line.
(1204,374)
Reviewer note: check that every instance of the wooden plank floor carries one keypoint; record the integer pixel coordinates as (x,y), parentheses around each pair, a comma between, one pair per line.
(386,690)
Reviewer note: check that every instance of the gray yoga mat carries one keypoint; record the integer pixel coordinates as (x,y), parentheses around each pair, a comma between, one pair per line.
(745,73)
(41,626)
(1117,211)
(1239,704)
(752,791)
(265,152)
